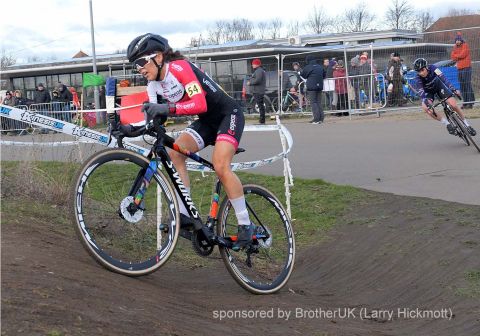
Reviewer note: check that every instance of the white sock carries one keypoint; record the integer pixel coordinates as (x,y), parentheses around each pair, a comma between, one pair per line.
(183,210)
(444,121)
(241,211)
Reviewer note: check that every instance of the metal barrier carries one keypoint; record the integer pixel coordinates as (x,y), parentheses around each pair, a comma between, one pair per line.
(59,110)
(15,127)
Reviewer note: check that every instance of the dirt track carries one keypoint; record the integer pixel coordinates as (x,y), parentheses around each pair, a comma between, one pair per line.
(391,253)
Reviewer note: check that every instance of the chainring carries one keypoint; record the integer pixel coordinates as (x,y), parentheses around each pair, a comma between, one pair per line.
(200,244)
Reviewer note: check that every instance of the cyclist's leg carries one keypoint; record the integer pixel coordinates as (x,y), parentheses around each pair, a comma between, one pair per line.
(229,134)
(192,139)
(187,141)
(453,103)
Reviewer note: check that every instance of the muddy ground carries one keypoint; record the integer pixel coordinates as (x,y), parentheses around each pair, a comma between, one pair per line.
(391,254)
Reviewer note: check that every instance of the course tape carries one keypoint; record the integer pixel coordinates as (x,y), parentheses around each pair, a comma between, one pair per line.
(87,135)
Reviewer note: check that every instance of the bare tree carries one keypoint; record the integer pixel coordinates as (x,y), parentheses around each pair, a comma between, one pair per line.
(459,12)
(242,29)
(217,34)
(424,20)
(318,21)
(400,15)
(6,60)
(357,19)
(293,28)
(274,27)
(224,31)
(262,28)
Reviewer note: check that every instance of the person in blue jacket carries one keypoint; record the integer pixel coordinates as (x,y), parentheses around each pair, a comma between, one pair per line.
(314,75)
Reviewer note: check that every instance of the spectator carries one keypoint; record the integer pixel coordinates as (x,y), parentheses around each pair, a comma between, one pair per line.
(9,99)
(41,96)
(65,97)
(341,87)
(258,82)
(103,101)
(299,85)
(395,80)
(461,55)
(75,101)
(314,75)
(19,99)
(328,82)
(7,123)
(57,105)
(353,72)
(364,70)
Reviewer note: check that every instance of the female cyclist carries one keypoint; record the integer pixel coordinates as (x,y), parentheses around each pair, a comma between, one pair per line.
(187,90)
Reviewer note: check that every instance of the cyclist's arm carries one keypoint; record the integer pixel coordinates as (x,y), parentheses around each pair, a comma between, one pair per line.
(420,89)
(442,77)
(194,101)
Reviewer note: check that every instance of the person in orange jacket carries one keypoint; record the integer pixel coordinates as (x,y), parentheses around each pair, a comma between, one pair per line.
(461,55)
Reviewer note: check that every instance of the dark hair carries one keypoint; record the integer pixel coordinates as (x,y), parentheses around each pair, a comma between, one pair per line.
(170,55)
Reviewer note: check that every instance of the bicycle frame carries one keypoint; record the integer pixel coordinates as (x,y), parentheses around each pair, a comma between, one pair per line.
(144,178)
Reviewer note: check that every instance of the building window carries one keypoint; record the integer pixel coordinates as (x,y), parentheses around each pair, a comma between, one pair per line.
(29,83)
(366,41)
(18,84)
(76,80)
(41,79)
(64,79)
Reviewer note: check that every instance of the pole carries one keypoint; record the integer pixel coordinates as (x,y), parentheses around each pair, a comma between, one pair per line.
(95,89)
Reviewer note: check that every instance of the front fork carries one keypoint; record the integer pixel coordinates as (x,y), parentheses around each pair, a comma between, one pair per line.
(140,186)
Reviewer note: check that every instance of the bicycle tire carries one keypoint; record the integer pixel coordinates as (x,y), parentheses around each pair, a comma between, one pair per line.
(135,243)
(460,133)
(454,121)
(273,264)
(464,130)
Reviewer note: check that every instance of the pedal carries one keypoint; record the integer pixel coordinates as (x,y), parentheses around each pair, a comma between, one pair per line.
(223,242)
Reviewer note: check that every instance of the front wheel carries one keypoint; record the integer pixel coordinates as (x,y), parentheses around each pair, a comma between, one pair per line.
(266,266)
(123,237)
(466,136)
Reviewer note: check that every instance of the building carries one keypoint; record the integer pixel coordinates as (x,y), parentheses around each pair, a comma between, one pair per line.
(229,63)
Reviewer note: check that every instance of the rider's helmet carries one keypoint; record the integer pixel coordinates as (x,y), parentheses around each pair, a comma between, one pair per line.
(146,44)
(419,64)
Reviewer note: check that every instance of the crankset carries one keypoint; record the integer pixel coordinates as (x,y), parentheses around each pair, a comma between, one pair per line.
(200,244)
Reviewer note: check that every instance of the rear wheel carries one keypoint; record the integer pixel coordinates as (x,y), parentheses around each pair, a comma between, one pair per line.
(266,266)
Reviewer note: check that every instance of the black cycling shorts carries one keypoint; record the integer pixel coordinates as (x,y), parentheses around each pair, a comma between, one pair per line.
(229,128)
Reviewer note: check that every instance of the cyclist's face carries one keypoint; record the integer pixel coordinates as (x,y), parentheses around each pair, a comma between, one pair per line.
(149,70)
(423,72)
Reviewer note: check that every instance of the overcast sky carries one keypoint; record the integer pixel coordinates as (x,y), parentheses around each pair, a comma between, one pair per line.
(57,29)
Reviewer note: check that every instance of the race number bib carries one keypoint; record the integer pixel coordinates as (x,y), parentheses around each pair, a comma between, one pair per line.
(438,72)
(193,88)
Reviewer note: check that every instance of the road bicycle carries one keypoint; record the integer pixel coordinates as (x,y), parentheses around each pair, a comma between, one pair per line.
(460,129)
(126,215)
(290,103)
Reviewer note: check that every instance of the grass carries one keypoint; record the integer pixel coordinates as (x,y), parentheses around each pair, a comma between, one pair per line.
(472,290)
(44,193)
